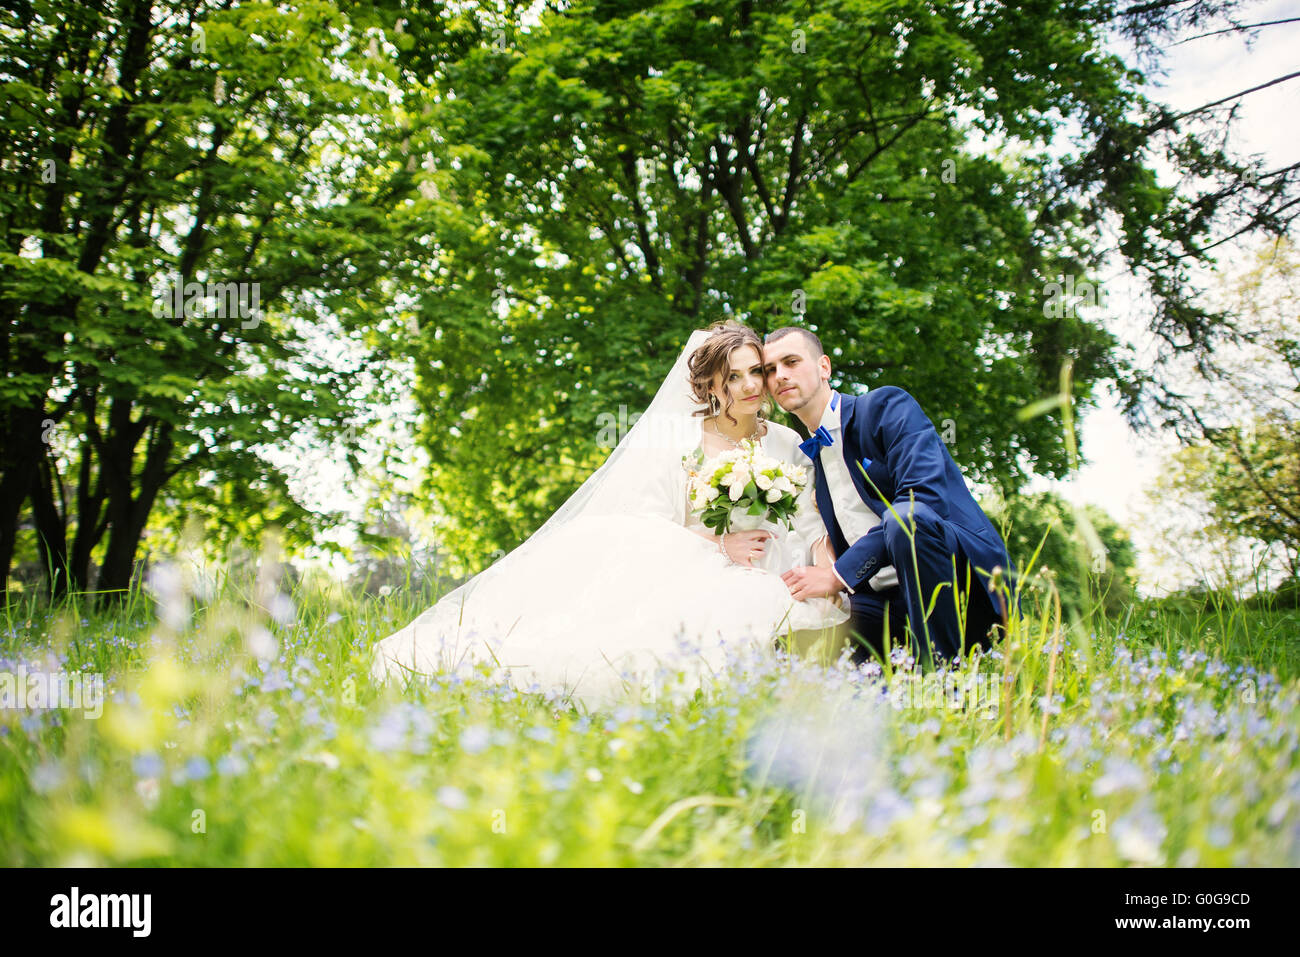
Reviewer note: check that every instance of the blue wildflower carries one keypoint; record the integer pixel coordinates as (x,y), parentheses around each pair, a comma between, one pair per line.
(147,765)
(476,739)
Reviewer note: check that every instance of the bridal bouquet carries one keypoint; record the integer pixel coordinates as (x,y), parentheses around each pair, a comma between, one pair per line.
(742,488)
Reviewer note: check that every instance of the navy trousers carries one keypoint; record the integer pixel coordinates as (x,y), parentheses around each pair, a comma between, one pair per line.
(938,560)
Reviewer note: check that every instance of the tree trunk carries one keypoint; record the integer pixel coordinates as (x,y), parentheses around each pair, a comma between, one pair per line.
(128,515)
(51,532)
(20,456)
(90,529)
(119,559)
(13,489)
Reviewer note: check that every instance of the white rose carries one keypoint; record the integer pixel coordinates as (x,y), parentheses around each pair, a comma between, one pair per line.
(710,494)
(773,494)
(763,481)
(736,490)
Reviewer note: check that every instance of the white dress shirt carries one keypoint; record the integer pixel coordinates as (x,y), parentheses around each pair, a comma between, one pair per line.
(854,515)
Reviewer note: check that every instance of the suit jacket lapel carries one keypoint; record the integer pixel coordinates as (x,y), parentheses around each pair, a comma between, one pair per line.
(853,454)
(847,403)
(848,448)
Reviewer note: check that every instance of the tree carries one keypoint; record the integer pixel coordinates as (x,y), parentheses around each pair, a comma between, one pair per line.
(633,172)
(1245,467)
(537,214)
(1088,579)
(1250,476)
(192,191)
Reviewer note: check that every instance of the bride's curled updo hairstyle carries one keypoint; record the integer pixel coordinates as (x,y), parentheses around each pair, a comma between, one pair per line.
(714,358)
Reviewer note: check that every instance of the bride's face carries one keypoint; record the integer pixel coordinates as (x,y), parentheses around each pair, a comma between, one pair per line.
(743,381)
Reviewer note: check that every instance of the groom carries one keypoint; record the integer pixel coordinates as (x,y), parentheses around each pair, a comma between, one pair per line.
(889,563)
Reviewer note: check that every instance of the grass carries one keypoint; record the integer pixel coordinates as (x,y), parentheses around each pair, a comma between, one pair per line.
(243,729)
(1257,633)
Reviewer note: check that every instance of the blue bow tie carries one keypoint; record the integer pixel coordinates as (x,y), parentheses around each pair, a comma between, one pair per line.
(818,441)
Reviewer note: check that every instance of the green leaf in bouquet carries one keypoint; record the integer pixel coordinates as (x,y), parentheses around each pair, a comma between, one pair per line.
(718,516)
(756,509)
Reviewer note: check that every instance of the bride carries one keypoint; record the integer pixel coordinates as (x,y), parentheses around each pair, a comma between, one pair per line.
(624,583)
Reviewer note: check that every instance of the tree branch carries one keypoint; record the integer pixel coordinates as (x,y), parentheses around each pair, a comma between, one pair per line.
(1238,29)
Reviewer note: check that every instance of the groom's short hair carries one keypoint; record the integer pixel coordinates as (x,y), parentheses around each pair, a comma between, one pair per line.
(815,349)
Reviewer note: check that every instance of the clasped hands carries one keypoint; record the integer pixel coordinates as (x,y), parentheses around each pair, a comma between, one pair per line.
(805,581)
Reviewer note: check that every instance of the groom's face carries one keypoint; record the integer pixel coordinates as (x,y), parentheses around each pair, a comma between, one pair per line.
(793,377)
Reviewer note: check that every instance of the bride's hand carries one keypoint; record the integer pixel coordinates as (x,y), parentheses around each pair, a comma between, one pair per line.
(745,548)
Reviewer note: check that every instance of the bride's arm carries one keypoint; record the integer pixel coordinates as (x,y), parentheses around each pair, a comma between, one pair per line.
(823,554)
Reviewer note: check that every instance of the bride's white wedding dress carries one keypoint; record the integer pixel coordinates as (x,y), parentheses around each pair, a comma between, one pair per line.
(616,585)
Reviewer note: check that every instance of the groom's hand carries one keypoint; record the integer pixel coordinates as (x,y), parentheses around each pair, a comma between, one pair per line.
(812,581)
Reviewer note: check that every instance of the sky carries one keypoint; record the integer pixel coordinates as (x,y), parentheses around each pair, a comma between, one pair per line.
(1121,465)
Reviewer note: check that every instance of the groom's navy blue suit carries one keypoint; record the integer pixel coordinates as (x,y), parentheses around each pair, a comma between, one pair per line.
(908,467)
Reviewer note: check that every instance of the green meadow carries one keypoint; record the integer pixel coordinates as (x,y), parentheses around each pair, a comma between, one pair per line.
(243,728)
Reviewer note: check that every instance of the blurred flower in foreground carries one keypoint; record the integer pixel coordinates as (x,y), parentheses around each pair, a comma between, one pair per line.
(147,765)
(46,777)
(281,609)
(830,752)
(475,739)
(452,798)
(261,643)
(1119,775)
(1139,834)
(148,789)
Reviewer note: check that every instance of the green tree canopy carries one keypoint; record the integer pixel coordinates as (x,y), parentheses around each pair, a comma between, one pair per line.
(191,193)
(620,174)
(536,213)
